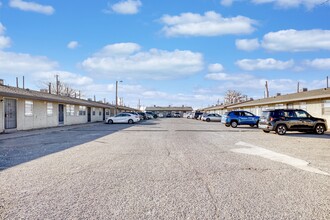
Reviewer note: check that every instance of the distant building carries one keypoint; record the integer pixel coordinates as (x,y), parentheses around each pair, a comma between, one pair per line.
(170,110)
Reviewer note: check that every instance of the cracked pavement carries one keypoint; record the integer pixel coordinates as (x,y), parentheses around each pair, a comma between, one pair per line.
(160,169)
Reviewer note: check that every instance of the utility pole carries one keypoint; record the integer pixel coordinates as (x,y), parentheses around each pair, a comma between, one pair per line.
(327,81)
(298,87)
(267,91)
(57,85)
(116,110)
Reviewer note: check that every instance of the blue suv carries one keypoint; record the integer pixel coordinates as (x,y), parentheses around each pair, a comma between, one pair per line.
(235,118)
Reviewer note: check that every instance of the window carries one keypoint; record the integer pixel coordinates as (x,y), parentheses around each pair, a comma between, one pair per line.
(301,114)
(93,111)
(82,110)
(70,110)
(49,109)
(107,112)
(248,114)
(288,114)
(28,108)
(326,107)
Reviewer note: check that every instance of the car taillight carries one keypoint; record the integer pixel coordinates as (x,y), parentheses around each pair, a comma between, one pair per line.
(271,119)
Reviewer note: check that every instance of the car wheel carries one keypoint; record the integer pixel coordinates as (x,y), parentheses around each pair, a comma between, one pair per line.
(319,129)
(265,131)
(110,121)
(208,120)
(130,121)
(233,124)
(281,129)
(257,125)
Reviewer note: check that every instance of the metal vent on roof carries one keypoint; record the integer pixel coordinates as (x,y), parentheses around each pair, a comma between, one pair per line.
(305,90)
(1,82)
(278,94)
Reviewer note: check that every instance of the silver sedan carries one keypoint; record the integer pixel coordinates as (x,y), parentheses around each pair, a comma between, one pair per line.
(211,117)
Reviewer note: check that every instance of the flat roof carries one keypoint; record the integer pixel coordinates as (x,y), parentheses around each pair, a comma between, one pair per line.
(294,97)
(169,108)
(14,92)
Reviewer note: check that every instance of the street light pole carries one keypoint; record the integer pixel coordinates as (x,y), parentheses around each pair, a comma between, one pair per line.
(116,110)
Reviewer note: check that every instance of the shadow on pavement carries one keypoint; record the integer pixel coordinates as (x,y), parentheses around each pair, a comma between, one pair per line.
(24,146)
(308,135)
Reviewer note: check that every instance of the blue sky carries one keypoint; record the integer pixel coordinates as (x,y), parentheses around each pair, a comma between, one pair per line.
(166,52)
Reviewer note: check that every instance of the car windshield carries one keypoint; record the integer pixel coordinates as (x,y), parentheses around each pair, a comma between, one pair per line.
(265,114)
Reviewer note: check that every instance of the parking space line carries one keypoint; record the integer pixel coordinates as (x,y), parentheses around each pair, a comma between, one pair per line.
(271,155)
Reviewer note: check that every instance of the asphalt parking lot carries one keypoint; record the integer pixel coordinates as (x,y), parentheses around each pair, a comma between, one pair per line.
(163,169)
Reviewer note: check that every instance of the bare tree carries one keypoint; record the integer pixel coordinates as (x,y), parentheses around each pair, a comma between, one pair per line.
(63,89)
(60,88)
(233,96)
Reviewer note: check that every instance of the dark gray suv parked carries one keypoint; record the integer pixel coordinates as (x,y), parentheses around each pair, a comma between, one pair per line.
(283,120)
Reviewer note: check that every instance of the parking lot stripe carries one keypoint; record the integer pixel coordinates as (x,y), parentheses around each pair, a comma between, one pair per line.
(271,155)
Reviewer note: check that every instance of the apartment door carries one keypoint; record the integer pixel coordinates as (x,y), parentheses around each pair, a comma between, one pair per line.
(89,116)
(10,114)
(61,114)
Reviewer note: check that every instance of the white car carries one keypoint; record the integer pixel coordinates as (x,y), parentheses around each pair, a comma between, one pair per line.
(211,117)
(123,118)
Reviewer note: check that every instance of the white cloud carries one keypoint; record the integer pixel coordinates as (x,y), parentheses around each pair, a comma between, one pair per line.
(216,67)
(254,86)
(126,7)
(226,2)
(19,63)
(309,4)
(247,44)
(127,61)
(323,64)
(32,6)
(4,41)
(225,77)
(154,94)
(264,64)
(119,49)
(209,24)
(64,76)
(296,41)
(73,44)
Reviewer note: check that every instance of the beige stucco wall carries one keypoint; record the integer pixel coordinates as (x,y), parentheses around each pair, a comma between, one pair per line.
(98,114)
(75,118)
(2,114)
(40,119)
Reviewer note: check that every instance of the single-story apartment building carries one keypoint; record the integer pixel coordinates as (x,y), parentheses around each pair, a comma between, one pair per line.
(170,110)
(24,109)
(316,102)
